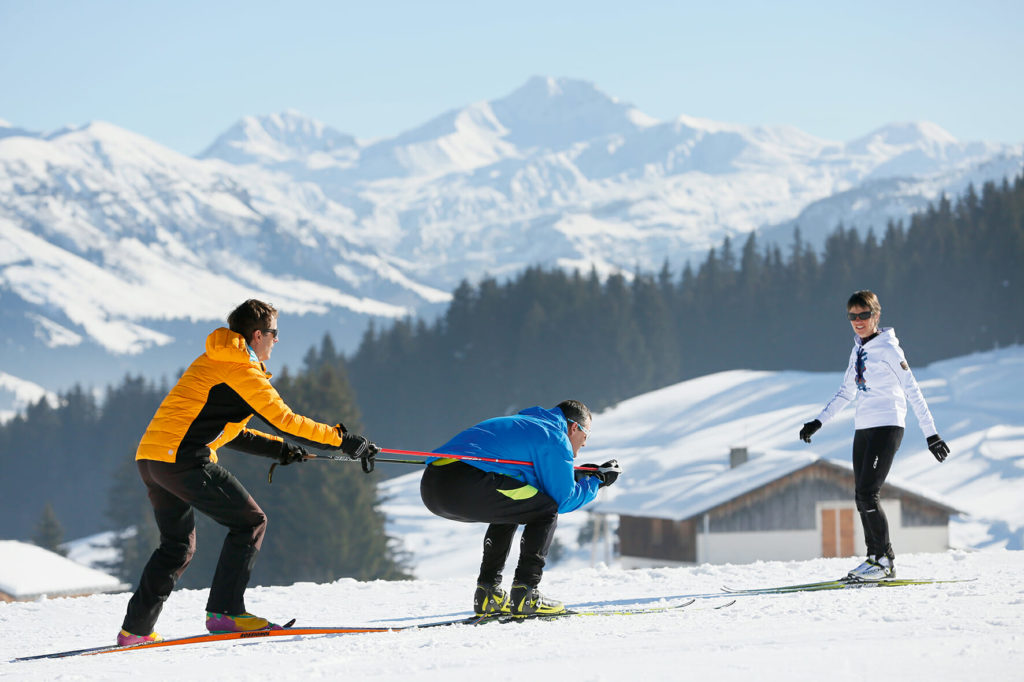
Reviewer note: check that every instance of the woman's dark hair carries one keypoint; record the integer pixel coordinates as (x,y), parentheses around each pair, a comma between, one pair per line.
(865,299)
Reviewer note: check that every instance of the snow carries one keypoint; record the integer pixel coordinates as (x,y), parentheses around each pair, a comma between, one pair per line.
(558,173)
(957,631)
(954,631)
(29,572)
(17,394)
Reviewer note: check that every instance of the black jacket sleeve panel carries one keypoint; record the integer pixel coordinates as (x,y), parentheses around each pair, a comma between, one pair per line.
(255,443)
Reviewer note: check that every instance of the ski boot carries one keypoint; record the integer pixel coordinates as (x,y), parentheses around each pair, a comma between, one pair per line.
(874,568)
(528,601)
(490,600)
(243,622)
(125,638)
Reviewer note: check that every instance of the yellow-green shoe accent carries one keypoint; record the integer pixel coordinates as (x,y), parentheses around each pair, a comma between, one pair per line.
(490,600)
(528,601)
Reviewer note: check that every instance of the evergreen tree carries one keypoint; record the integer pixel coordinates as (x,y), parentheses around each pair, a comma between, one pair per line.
(49,533)
(325,521)
(545,335)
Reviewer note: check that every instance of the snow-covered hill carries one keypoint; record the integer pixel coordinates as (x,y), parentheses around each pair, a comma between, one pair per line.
(122,253)
(672,440)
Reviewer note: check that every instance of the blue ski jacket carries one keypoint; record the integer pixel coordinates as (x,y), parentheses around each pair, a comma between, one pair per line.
(534,435)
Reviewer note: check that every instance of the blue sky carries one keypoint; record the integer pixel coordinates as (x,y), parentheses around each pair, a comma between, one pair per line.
(182,72)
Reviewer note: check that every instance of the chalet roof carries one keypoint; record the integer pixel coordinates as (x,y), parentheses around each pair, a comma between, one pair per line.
(28,572)
(683,494)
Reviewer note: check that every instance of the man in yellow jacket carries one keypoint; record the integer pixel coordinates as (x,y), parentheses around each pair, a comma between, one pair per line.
(209,408)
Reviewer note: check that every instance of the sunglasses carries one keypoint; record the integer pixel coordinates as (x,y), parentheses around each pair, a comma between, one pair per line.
(866,315)
(585,430)
(272,332)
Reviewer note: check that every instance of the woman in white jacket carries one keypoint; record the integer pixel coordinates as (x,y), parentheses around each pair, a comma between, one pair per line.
(879,378)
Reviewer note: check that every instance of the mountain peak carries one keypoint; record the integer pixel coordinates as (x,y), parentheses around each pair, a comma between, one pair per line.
(905,134)
(547,110)
(286,136)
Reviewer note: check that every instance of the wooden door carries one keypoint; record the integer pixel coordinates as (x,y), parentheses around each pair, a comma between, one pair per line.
(836,532)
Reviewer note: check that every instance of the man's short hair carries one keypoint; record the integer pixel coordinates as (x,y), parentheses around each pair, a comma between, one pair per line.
(575,411)
(250,316)
(865,299)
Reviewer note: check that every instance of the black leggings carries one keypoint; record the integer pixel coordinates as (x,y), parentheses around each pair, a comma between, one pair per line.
(461,492)
(873,452)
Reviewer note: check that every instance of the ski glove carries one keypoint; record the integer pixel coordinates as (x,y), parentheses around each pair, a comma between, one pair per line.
(354,446)
(810,428)
(609,472)
(369,458)
(938,447)
(605,473)
(291,453)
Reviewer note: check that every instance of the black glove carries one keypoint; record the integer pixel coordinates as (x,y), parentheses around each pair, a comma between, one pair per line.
(368,458)
(354,446)
(938,447)
(291,453)
(579,475)
(609,472)
(810,428)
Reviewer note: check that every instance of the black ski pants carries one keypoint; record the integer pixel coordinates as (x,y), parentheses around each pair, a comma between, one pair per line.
(460,492)
(873,453)
(174,491)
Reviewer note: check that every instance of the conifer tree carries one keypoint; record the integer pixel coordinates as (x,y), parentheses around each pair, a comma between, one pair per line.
(49,533)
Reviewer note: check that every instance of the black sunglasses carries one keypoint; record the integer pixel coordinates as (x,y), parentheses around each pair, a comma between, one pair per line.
(866,315)
(272,332)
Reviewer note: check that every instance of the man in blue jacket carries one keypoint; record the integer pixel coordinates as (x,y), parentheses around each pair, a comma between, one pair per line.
(505,495)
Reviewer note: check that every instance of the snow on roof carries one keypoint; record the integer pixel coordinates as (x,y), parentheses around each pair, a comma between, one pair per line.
(699,490)
(29,572)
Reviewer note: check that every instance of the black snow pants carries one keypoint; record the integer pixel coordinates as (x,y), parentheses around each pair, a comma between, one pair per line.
(174,491)
(460,492)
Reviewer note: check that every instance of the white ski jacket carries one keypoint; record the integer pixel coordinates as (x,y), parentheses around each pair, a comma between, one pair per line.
(881,382)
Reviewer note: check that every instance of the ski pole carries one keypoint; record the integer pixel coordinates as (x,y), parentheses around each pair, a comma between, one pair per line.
(376,459)
(439,455)
(367,463)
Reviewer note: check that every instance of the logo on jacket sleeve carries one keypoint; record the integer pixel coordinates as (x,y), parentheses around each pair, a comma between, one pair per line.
(905,366)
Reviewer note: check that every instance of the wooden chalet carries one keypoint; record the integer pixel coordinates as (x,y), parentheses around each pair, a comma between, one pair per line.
(773,507)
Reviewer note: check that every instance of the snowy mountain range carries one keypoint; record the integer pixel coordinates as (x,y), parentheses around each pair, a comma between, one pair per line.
(118,254)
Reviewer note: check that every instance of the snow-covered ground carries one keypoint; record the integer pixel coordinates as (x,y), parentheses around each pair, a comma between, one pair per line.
(958,631)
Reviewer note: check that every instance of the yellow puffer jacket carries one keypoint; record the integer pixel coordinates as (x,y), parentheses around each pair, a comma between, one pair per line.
(215,398)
